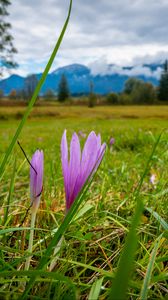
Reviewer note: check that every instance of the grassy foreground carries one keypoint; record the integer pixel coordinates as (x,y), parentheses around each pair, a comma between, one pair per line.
(92,246)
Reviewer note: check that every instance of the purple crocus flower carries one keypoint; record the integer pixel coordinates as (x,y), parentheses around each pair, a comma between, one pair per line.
(112,141)
(36,178)
(77,166)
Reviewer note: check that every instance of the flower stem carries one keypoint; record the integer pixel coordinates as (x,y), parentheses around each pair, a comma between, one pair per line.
(56,250)
(33,218)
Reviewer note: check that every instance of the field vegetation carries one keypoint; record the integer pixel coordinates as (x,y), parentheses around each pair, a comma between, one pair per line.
(90,251)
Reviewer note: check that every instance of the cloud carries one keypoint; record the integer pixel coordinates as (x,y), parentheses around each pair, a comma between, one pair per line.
(101,67)
(160,56)
(120,31)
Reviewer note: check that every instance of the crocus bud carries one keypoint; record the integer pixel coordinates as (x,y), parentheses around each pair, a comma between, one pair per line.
(112,141)
(153,179)
(36,178)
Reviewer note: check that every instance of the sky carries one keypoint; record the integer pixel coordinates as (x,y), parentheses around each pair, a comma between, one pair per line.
(100,32)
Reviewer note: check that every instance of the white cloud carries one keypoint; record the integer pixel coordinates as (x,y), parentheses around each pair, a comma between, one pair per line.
(101,67)
(122,32)
(159,56)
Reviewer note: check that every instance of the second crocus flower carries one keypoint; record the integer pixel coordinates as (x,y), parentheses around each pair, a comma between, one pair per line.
(36,178)
(36,187)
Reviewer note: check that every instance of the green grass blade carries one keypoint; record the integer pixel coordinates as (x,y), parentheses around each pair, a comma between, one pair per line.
(95,289)
(160,277)
(36,92)
(82,211)
(10,193)
(162,259)
(40,275)
(147,278)
(119,286)
(54,275)
(162,222)
(12,229)
(121,281)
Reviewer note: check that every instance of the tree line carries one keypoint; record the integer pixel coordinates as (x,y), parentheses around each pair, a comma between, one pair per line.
(135,91)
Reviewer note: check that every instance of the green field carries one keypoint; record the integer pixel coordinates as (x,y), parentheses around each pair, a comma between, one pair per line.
(93,243)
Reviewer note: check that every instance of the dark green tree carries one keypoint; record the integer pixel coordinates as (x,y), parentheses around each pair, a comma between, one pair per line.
(29,86)
(7,48)
(145,93)
(63,89)
(131,84)
(163,84)
(140,92)
(112,98)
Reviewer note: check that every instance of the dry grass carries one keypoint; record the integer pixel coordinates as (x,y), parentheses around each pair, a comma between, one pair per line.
(103,112)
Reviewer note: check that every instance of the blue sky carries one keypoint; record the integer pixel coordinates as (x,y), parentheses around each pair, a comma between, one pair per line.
(101,32)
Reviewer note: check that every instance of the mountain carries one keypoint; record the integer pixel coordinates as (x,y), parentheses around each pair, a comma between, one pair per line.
(12,82)
(80,76)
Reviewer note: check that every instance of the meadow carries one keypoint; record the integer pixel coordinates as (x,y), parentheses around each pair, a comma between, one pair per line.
(88,257)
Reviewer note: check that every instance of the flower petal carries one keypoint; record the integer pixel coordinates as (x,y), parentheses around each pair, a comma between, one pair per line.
(33,177)
(89,156)
(36,177)
(64,159)
(74,165)
(40,170)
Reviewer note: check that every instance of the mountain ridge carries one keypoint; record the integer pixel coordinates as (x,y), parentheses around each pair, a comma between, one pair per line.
(79,76)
